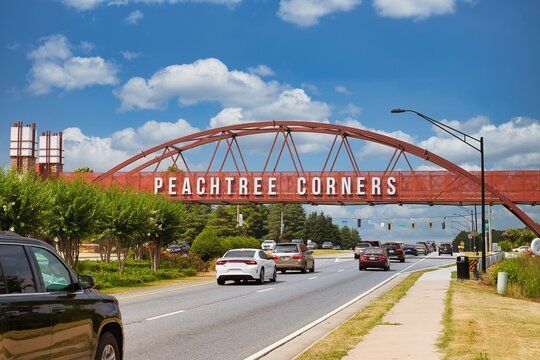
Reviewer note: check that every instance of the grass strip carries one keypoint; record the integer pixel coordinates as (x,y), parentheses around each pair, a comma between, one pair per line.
(338,343)
(481,324)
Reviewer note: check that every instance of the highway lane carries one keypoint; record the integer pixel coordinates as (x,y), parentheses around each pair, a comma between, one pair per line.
(207,321)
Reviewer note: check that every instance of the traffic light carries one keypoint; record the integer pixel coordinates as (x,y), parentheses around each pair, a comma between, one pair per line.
(413,226)
(430,224)
(389,225)
(358,222)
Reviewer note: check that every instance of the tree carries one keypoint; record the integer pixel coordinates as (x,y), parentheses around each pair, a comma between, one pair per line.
(294,221)
(208,245)
(120,221)
(72,215)
(254,220)
(223,220)
(319,228)
(165,223)
(196,220)
(83,170)
(22,203)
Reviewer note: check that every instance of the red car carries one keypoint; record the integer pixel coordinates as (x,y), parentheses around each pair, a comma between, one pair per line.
(374,258)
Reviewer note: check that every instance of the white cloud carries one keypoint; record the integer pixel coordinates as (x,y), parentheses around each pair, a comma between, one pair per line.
(204,80)
(130,55)
(305,13)
(134,17)
(52,48)
(83,5)
(262,70)
(86,46)
(342,90)
(419,9)
(101,153)
(14,46)
(226,117)
(351,109)
(55,66)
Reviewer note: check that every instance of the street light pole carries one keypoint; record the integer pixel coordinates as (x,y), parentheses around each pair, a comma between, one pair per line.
(463,138)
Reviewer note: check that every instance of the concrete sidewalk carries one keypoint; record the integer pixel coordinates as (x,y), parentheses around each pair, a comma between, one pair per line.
(411,329)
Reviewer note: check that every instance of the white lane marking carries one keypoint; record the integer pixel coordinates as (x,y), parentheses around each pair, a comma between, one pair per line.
(297,333)
(260,291)
(169,314)
(311,278)
(340,270)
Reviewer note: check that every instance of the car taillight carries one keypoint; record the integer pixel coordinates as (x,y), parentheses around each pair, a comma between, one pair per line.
(250,262)
(399,249)
(363,257)
(275,257)
(297,257)
(220,262)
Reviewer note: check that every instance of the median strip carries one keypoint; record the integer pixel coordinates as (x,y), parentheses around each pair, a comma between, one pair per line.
(164,315)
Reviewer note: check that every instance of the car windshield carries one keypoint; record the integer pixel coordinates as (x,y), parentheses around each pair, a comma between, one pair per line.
(268,241)
(374,251)
(363,245)
(240,253)
(391,245)
(286,248)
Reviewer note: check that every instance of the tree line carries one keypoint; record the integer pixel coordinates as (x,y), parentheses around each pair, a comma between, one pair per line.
(69,212)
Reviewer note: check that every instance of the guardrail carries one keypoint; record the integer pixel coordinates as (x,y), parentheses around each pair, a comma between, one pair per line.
(491,259)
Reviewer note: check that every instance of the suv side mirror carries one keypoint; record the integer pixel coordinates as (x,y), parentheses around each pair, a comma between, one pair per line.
(86,281)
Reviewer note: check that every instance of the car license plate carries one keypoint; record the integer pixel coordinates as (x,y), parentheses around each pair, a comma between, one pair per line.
(285,257)
(372,258)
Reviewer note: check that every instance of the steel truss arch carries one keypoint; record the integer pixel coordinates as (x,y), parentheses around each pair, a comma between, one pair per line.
(229,134)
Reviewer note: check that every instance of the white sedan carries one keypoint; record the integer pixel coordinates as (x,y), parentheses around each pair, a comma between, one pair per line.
(245,264)
(522,249)
(268,245)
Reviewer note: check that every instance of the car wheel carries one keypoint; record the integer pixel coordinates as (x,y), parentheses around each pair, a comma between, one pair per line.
(274,277)
(360,268)
(401,260)
(386,268)
(107,347)
(221,281)
(451,254)
(312,267)
(304,268)
(283,271)
(261,277)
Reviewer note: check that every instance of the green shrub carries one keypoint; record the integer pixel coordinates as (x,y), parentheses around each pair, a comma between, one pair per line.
(179,261)
(505,245)
(207,245)
(509,266)
(529,276)
(137,273)
(239,242)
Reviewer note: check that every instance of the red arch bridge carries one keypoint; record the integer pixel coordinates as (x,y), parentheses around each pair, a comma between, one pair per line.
(268,146)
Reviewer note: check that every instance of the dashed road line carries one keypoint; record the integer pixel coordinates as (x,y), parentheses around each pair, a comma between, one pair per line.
(340,270)
(164,315)
(268,289)
(314,277)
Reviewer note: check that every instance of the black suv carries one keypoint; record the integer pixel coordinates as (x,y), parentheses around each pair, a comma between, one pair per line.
(395,251)
(47,312)
(445,249)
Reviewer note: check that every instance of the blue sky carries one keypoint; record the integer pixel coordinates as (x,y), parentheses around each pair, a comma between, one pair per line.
(120,76)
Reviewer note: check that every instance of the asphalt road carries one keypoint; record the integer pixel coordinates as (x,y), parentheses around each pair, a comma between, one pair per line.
(208,321)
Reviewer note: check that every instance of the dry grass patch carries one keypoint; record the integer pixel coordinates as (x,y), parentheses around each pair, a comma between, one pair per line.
(480,324)
(338,343)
